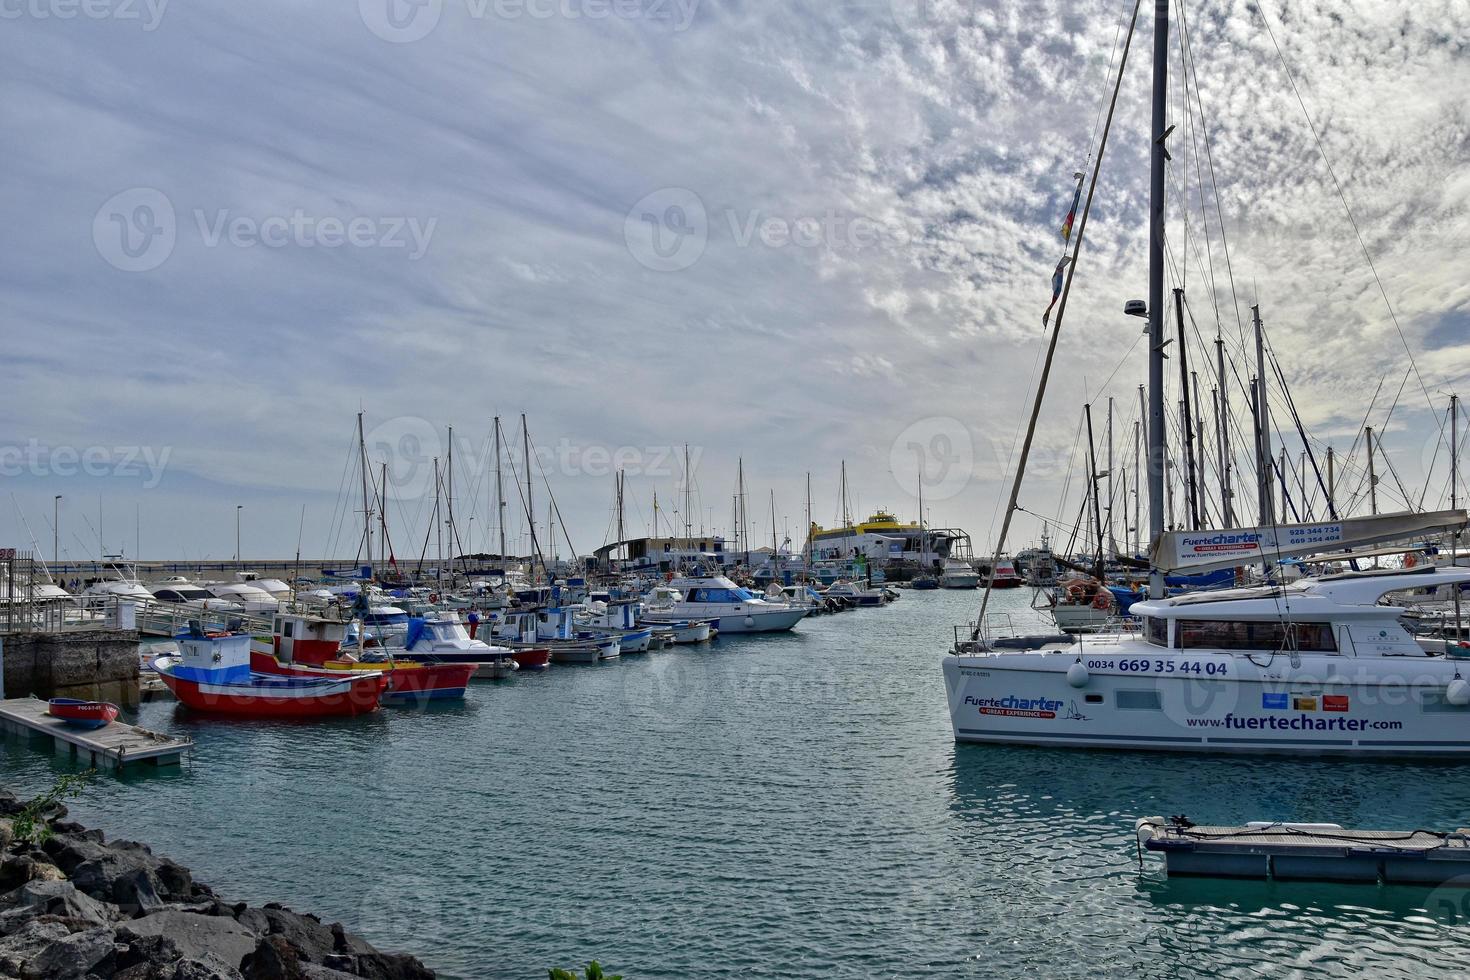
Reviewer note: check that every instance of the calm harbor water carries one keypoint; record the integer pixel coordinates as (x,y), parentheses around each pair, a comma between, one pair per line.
(788,806)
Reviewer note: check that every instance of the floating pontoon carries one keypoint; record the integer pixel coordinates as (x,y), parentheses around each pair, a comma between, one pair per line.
(1307,852)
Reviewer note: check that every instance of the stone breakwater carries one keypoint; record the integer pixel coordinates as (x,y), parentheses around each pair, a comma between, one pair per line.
(76,907)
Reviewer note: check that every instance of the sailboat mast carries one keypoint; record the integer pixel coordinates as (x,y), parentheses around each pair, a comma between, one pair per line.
(1331,482)
(1093,479)
(367,507)
(1112,541)
(620,504)
(1157,450)
(1190,485)
(809,525)
(1372,473)
(774,547)
(449,497)
(499,496)
(1263,422)
(688,518)
(1455,501)
(383,516)
(1140,437)
(530,507)
(1222,436)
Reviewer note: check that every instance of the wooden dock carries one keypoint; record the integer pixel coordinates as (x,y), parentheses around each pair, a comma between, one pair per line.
(112,747)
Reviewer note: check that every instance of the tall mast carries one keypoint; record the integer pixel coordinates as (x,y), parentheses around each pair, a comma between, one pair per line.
(1222,436)
(1455,501)
(688,518)
(438,525)
(449,496)
(774,546)
(1157,449)
(1331,482)
(1203,456)
(383,517)
(1190,486)
(740,509)
(367,507)
(1140,437)
(1372,474)
(619,491)
(530,507)
(1285,486)
(499,497)
(1092,482)
(1263,422)
(809,525)
(1112,541)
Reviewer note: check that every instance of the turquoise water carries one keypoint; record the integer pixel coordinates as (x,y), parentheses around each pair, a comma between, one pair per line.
(787,806)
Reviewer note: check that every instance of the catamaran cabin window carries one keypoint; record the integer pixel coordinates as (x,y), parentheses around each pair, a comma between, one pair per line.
(1227,635)
(1157,630)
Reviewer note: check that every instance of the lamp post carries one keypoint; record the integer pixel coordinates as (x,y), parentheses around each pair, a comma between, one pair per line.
(238,508)
(56,529)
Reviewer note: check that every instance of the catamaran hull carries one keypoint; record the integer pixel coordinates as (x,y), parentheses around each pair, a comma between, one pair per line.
(1210,702)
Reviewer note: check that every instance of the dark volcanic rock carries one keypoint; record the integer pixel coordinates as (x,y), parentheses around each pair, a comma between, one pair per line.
(196,936)
(306,933)
(72,957)
(59,898)
(78,908)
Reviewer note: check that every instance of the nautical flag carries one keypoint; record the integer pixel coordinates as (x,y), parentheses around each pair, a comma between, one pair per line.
(1056,289)
(1072,212)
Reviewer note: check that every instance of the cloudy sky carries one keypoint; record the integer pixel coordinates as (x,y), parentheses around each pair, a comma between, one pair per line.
(793,233)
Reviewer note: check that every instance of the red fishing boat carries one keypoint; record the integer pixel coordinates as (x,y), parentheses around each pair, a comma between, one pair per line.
(82,714)
(212,674)
(310,646)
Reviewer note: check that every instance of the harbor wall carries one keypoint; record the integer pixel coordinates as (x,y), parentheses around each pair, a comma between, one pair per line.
(94,665)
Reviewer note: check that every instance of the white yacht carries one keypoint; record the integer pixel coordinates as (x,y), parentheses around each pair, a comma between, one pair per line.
(1319,667)
(246,595)
(731,608)
(957,574)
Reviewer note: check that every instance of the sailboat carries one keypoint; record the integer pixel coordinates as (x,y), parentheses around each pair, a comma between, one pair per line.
(1322,666)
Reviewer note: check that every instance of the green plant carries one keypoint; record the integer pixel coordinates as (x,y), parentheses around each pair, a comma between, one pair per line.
(30,824)
(594,972)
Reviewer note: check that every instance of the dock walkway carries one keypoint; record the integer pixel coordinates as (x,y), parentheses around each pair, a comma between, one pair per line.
(113,747)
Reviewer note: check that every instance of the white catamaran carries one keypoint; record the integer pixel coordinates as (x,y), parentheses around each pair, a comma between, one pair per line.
(1323,666)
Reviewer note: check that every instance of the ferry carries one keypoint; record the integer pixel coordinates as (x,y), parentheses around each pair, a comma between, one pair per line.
(883,537)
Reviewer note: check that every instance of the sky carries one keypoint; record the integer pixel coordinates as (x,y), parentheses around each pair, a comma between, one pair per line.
(784,235)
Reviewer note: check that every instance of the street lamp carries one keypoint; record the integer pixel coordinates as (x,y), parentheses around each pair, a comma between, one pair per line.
(238,508)
(56,529)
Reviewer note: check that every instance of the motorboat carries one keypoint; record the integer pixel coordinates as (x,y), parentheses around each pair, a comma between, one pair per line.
(304,645)
(185,593)
(958,574)
(1320,666)
(619,617)
(854,594)
(212,675)
(444,639)
(1003,575)
(247,596)
(731,608)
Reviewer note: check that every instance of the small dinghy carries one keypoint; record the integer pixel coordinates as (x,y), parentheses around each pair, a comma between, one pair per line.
(212,675)
(82,714)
